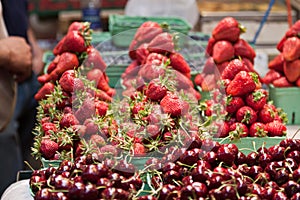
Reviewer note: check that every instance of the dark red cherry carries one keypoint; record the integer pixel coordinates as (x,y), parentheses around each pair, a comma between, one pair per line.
(61,183)
(264,159)
(296,175)
(199,173)
(277,152)
(282,176)
(272,184)
(90,192)
(214,181)
(147,197)
(296,196)
(200,189)
(169,192)
(255,170)
(114,193)
(58,196)
(241,186)
(212,158)
(210,145)
(187,180)
(43,194)
(226,154)
(280,196)
(204,163)
(291,188)
(189,157)
(294,155)
(241,158)
(252,158)
(290,144)
(170,166)
(262,178)
(91,173)
(171,176)
(291,164)
(102,183)
(76,190)
(37,182)
(229,192)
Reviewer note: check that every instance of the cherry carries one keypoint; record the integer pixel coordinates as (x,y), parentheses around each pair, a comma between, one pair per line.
(216,194)
(91,173)
(189,157)
(296,196)
(255,170)
(262,150)
(272,184)
(187,192)
(125,169)
(114,193)
(187,180)
(226,154)
(280,196)
(241,186)
(200,189)
(90,192)
(296,175)
(204,163)
(65,166)
(58,196)
(135,182)
(264,159)
(291,188)
(170,166)
(215,181)
(210,145)
(118,181)
(37,182)
(277,152)
(169,192)
(229,192)
(290,144)
(61,183)
(282,176)
(200,173)
(171,176)
(43,194)
(294,155)
(240,158)
(103,183)
(76,190)
(156,181)
(262,178)
(291,164)
(196,141)
(211,158)
(270,192)
(147,197)
(252,158)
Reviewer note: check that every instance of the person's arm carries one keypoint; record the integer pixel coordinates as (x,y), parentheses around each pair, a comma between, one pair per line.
(37,53)
(16,57)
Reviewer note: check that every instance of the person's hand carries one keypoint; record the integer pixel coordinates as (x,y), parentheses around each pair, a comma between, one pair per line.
(16,57)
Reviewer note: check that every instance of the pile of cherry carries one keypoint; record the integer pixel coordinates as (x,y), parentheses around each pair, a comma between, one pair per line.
(221,171)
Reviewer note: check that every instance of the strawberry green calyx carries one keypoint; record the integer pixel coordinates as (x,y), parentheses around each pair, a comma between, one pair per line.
(257,95)
(165,26)
(242,28)
(254,77)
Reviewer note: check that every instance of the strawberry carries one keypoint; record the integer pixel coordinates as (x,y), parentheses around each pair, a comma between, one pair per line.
(53,64)
(162,43)
(271,76)
(210,44)
(243,83)
(276,129)
(45,90)
(282,82)
(298,82)
(258,129)
(74,41)
(267,114)
(78,26)
(249,64)
(67,120)
(222,51)
(103,83)
(179,63)
(291,48)
(257,99)
(207,107)
(132,69)
(153,130)
(86,110)
(246,115)
(155,90)
(66,61)
(97,140)
(142,53)
(209,66)
(243,49)
(233,104)
(94,59)
(171,104)
(209,82)
(49,128)
(220,68)
(219,129)
(48,148)
(199,79)
(109,150)
(139,149)
(277,63)
(66,80)
(150,71)
(103,96)
(227,29)
(280,44)
(238,129)
(91,127)
(233,67)
(101,107)
(182,82)
(137,107)
(294,30)
(292,70)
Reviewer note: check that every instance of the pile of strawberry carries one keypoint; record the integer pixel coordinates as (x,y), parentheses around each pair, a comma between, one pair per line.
(238,107)
(224,46)
(152,51)
(284,69)
(73,99)
(217,171)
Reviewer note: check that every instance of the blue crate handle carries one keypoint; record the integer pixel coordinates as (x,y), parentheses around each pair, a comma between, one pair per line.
(263,21)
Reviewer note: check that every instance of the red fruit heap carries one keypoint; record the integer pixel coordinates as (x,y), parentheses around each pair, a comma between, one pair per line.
(86,178)
(224,172)
(284,69)
(153,51)
(224,46)
(73,100)
(238,107)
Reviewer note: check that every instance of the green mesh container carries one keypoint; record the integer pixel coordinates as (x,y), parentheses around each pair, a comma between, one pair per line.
(123,27)
(288,100)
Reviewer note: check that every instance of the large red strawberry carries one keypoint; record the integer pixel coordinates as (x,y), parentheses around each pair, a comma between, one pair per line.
(48,148)
(222,51)
(139,149)
(94,59)
(270,76)
(243,83)
(101,108)
(233,104)
(142,53)
(258,129)
(292,70)
(227,29)
(276,129)
(233,67)
(291,48)
(198,79)
(294,30)
(66,81)
(162,43)
(238,129)
(210,44)
(277,63)
(66,61)
(257,99)
(86,110)
(67,120)
(209,66)
(173,105)
(155,90)
(131,70)
(179,63)
(268,113)
(282,82)
(243,49)
(45,90)
(209,82)
(246,115)
(49,128)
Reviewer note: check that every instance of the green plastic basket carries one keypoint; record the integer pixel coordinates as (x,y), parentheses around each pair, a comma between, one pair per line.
(123,27)
(288,100)
(50,163)
(250,144)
